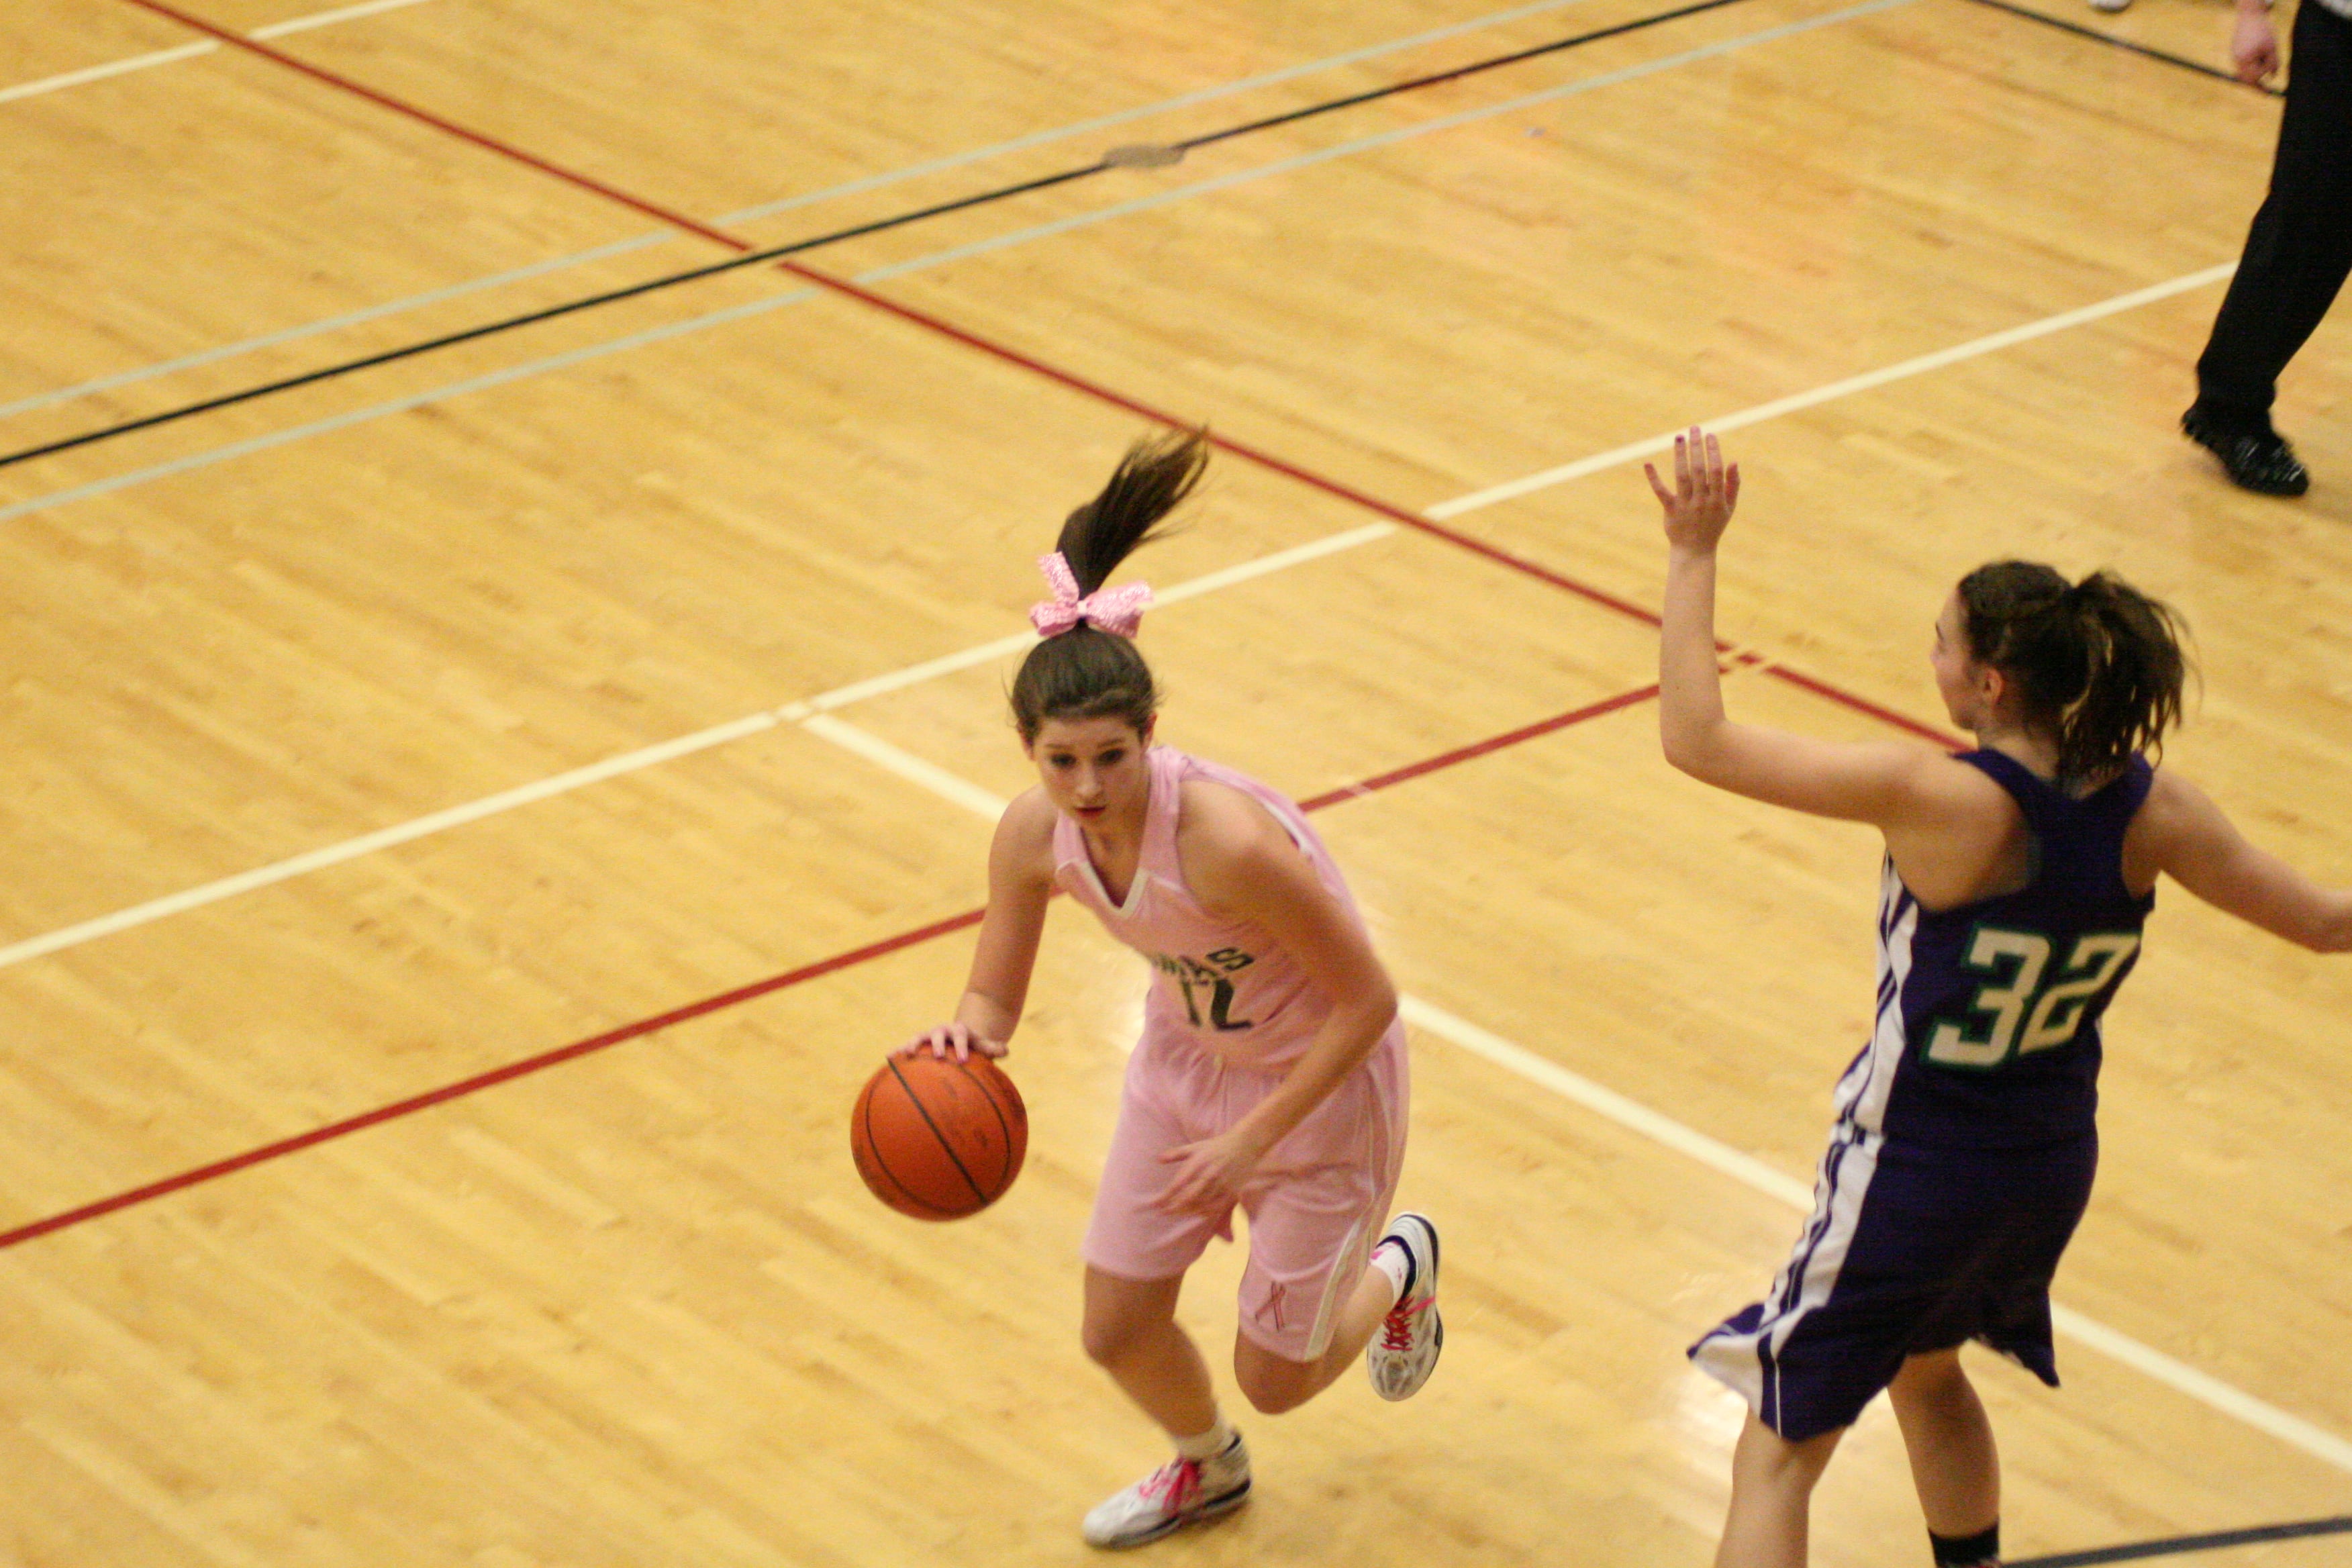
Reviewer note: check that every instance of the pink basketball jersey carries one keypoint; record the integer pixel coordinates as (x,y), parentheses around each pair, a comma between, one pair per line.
(1222,981)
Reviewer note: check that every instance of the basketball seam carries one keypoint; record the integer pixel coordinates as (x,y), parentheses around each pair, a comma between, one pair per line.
(949,1149)
(866,1107)
(1004,1125)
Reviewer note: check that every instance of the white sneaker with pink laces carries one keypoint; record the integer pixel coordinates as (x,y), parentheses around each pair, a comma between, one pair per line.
(1180,1492)
(1404,1353)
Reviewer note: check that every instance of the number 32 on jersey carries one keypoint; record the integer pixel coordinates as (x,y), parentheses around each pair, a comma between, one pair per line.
(2020,1014)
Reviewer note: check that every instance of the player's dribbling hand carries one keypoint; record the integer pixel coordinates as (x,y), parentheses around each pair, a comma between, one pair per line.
(950,1042)
(1698,508)
(1209,1177)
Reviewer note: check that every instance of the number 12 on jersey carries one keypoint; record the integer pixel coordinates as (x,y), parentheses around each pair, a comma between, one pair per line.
(2021,1014)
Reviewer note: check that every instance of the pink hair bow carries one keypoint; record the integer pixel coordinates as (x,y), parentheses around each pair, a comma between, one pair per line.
(1117,610)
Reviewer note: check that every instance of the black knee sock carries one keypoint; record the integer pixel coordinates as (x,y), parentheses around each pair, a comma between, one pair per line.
(1981,1550)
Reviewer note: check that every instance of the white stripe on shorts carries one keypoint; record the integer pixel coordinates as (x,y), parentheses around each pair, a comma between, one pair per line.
(1338,1286)
(1737,1359)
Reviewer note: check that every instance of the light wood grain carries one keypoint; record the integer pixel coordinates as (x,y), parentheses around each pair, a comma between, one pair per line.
(636,1310)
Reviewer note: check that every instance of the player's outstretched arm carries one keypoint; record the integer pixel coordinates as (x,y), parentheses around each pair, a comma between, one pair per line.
(1887,783)
(1020,880)
(2189,839)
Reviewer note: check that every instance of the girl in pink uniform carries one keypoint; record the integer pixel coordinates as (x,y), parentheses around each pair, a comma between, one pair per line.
(1271,1073)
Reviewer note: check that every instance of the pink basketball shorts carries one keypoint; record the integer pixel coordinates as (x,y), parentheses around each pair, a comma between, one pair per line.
(1316,1206)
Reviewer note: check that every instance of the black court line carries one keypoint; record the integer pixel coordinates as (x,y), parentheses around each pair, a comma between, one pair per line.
(1434,78)
(2179,1545)
(1116,158)
(2080,31)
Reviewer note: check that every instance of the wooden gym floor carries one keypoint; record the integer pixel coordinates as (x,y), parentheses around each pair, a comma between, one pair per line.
(475,817)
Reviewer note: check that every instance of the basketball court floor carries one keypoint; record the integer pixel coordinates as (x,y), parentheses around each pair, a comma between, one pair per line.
(517,518)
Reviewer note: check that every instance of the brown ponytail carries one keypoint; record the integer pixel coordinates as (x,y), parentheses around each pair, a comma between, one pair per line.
(2096,662)
(1086,672)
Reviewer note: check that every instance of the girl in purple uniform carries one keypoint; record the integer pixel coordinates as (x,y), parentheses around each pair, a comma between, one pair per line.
(1271,1074)
(2017,877)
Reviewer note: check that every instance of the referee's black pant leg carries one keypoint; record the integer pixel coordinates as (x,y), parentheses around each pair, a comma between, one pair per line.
(2300,248)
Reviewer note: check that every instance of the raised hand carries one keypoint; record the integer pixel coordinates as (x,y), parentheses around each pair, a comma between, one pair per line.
(2253,46)
(1698,508)
(950,1041)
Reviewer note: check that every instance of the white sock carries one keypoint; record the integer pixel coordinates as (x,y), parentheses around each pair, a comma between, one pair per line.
(1209,1443)
(1391,1259)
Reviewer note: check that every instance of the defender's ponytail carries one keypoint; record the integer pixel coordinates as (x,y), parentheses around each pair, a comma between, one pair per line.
(2096,663)
(1087,671)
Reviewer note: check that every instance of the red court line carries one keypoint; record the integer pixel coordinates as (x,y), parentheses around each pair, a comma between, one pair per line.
(1346,492)
(1480,748)
(197,1175)
(426,116)
(1013,356)
(465,1086)
(1256,455)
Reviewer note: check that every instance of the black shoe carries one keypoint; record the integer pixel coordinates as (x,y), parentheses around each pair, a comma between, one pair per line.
(2256,459)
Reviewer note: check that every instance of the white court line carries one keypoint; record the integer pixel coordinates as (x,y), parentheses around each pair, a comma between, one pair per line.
(809,711)
(2205,1388)
(1716,1155)
(1004,648)
(279,871)
(329,18)
(2178,1375)
(1385,139)
(112,68)
(1330,543)
(906,764)
(1820,394)
(2188,1379)
(369,843)
(330,324)
(205,459)
(875,275)
(1127,116)
(1631,1114)
(922,774)
(744,215)
(190,51)
(282,871)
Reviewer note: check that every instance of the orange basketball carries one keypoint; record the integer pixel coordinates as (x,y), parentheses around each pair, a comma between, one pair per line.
(938,1138)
